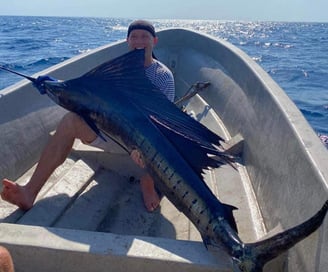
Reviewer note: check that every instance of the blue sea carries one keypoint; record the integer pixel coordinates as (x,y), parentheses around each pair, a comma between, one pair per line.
(294,54)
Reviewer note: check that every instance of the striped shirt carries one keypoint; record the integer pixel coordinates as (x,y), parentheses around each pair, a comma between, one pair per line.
(162,78)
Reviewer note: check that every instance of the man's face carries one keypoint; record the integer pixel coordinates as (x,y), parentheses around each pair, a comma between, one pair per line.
(140,38)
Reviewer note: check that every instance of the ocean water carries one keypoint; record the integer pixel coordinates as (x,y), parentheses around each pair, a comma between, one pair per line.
(294,54)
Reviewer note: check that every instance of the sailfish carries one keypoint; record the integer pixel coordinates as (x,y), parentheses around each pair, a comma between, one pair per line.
(118,100)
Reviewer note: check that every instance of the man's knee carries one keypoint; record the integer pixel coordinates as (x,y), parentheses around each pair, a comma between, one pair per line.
(71,123)
(75,125)
(71,119)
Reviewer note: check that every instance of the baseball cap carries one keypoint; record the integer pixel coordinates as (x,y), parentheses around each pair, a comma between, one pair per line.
(142,24)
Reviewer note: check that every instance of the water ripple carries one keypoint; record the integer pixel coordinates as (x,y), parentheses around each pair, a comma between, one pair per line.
(292,53)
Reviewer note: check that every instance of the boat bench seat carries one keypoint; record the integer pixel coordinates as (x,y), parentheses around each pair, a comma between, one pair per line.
(86,192)
(86,203)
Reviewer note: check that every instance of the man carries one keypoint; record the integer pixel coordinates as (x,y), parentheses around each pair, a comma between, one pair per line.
(141,34)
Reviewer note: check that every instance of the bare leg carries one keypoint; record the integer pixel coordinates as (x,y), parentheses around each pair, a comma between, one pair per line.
(54,154)
(149,194)
(6,262)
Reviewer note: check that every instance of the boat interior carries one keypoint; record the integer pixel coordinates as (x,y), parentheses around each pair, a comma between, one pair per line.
(94,193)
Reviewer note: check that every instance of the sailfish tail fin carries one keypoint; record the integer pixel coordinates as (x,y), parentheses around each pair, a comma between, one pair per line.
(256,255)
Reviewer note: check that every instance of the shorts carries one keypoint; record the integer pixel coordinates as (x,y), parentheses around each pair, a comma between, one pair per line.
(108,146)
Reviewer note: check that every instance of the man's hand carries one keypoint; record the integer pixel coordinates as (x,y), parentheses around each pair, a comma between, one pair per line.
(39,83)
(136,157)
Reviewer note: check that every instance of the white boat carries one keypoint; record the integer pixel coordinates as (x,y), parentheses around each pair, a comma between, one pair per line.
(90,215)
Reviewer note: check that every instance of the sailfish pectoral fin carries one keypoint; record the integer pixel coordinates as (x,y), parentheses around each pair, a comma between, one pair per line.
(100,133)
(93,126)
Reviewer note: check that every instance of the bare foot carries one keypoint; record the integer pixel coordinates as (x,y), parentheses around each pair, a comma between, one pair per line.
(16,194)
(150,196)
(6,262)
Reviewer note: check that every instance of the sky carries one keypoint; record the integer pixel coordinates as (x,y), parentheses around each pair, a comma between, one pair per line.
(236,10)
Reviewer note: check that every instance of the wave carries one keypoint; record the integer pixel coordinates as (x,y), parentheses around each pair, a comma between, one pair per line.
(47,61)
(36,65)
(290,52)
(310,113)
(30,68)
